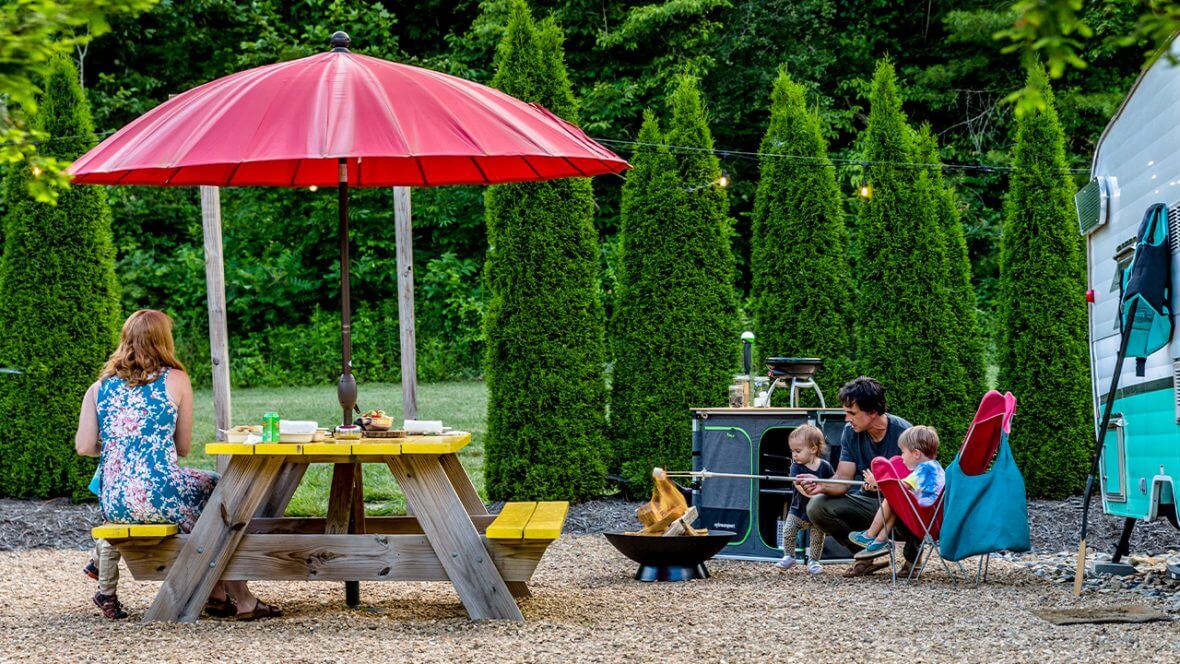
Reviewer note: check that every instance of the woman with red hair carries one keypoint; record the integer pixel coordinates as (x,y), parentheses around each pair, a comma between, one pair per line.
(138,418)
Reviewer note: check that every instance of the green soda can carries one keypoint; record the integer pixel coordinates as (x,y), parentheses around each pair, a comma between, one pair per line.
(270,428)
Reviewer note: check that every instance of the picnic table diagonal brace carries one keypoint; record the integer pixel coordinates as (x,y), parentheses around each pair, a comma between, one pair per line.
(247,482)
(449,528)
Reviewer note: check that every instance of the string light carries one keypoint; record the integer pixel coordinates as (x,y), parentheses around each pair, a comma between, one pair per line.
(313,188)
(865,190)
(36,171)
(724,181)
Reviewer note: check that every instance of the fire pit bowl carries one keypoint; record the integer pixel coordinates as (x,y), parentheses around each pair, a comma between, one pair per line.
(678,558)
(793,367)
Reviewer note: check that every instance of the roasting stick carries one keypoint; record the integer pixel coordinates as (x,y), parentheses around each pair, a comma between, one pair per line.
(705,474)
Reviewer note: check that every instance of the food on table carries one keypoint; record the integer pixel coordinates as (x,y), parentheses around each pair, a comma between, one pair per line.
(242,432)
(348,432)
(377,420)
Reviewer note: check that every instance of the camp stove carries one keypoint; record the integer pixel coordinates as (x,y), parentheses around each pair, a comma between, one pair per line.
(795,373)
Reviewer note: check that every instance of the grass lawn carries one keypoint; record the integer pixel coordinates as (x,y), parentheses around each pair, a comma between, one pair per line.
(460,405)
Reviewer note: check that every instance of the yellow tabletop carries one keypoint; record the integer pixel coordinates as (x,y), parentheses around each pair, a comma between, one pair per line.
(365,447)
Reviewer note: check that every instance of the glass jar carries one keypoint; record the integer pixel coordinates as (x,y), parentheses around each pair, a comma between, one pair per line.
(760,390)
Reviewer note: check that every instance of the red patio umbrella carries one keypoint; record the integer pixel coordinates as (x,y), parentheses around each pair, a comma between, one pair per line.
(339,118)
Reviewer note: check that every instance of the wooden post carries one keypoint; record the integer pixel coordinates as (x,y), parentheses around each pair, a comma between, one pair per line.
(405,301)
(218,332)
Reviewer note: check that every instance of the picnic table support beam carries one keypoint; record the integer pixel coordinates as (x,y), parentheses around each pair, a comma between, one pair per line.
(218,327)
(344,501)
(453,537)
(214,539)
(405,301)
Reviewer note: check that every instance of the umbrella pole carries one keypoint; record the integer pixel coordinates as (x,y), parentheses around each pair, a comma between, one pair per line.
(346,389)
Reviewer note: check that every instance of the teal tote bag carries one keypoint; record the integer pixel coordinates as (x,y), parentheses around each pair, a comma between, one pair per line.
(987,512)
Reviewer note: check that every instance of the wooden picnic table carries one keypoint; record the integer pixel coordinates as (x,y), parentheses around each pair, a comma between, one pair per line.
(242,535)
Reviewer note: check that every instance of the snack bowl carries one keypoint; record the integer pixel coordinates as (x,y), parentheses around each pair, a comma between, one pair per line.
(241,433)
(320,434)
(348,432)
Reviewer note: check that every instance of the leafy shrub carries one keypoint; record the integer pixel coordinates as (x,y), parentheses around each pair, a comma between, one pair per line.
(1044,359)
(59,307)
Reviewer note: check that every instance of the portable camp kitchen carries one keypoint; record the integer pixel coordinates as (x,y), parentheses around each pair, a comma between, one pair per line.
(753,441)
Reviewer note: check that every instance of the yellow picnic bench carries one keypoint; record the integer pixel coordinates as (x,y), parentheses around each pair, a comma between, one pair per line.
(242,534)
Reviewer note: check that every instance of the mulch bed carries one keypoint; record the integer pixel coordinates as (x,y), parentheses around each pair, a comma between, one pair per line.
(1054,524)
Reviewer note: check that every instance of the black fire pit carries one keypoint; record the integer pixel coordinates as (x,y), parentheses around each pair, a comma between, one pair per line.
(679,558)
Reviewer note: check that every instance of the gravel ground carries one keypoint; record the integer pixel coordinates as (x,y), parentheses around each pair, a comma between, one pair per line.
(586,607)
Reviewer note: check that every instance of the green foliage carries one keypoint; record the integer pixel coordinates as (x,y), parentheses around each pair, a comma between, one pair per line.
(32,33)
(675,325)
(965,336)
(802,287)
(59,307)
(905,327)
(544,325)
(1043,353)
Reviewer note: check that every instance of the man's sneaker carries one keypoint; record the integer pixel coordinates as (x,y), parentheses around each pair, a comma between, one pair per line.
(787,562)
(814,567)
(859,538)
(873,550)
(91,570)
(110,606)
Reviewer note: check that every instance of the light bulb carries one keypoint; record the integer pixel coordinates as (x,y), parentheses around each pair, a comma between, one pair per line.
(36,171)
(724,181)
(313,188)
(865,191)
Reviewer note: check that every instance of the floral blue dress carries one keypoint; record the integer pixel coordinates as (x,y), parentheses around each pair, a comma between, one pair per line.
(141,481)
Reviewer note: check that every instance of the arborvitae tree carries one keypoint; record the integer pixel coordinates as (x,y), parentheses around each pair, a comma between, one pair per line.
(905,329)
(802,288)
(59,306)
(967,339)
(544,325)
(675,329)
(1043,353)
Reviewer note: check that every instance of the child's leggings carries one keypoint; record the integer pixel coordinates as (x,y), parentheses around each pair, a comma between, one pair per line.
(793,526)
(106,558)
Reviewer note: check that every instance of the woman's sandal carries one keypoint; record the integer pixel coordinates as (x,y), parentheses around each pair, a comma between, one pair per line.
(864,568)
(261,610)
(220,608)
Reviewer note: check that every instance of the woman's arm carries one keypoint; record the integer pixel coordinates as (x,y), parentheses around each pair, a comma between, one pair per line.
(180,389)
(86,441)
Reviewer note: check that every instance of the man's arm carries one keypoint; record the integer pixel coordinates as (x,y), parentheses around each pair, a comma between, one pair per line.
(844,471)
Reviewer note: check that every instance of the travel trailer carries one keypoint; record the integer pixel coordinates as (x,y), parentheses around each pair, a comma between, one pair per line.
(1136,176)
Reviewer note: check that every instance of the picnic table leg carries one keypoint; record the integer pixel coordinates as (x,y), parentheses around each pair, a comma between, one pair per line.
(347,495)
(215,538)
(463,486)
(474,506)
(453,537)
(288,481)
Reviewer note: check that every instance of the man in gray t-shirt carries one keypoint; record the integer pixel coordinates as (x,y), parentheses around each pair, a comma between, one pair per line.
(870,432)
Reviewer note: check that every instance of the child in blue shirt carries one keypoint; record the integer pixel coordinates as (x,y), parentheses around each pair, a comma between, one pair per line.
(919,446)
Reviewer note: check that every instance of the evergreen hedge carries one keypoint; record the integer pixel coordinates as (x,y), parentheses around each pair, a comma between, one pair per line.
(1043,353)
(59,306)
(905,326)
(967,337)
(802,288)
(544,325)
(675,324)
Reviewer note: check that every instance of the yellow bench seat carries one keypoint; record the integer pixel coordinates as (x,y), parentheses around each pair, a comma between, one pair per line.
(529,521)
(109,531)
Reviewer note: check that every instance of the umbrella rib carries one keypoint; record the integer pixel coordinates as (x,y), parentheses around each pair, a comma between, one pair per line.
(537,173)
(475,162)
(229,180)
(421,171)
(575,167)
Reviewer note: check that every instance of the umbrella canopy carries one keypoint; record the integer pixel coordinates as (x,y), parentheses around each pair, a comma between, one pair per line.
(289,124)
(340,118)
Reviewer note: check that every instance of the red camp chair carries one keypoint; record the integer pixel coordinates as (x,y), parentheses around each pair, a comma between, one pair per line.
(992,419)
